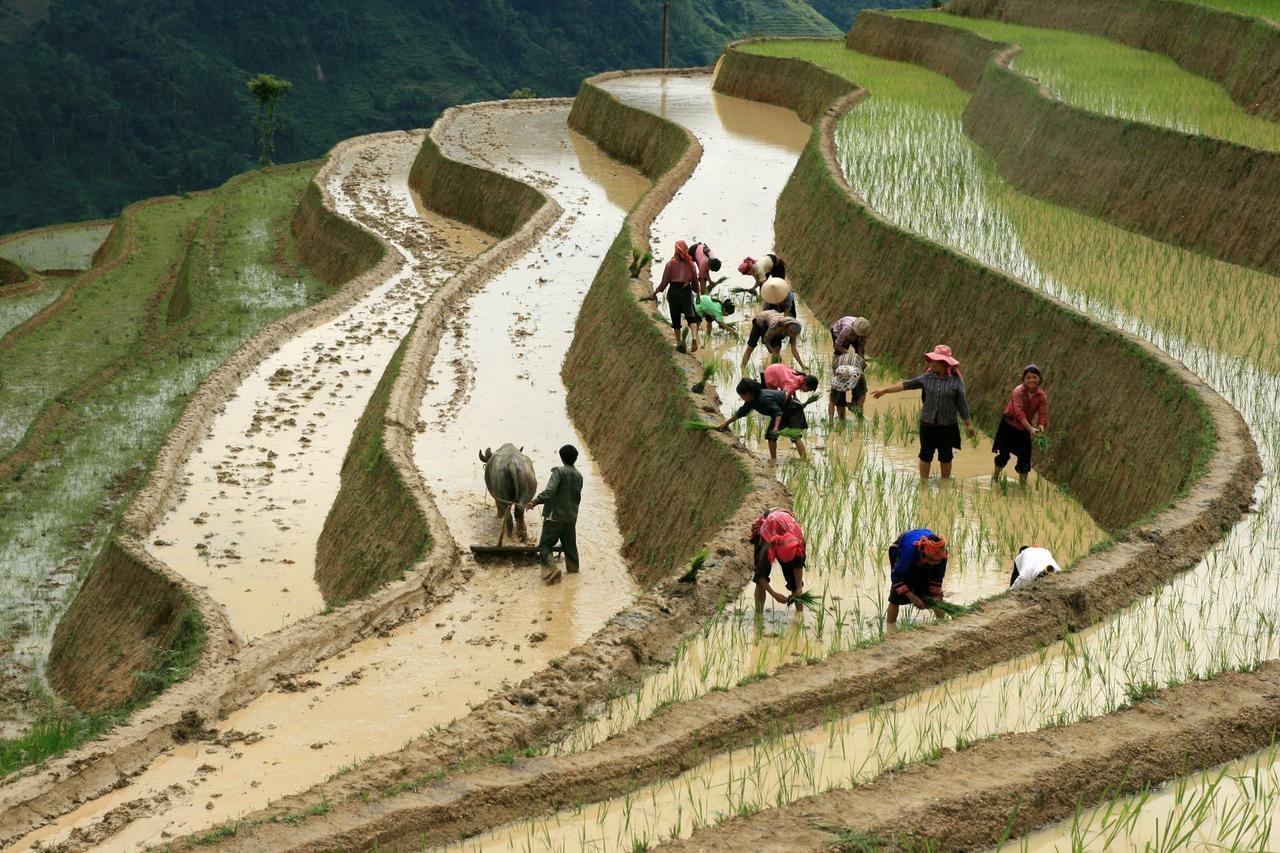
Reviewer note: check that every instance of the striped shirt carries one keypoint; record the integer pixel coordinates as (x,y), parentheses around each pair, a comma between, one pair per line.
(942,398)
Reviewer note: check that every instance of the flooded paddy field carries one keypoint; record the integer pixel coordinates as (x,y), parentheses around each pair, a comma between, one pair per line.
(499,622)
(65,247)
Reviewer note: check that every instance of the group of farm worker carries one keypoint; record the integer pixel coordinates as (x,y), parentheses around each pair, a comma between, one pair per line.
(917,564)
(686,280)
(918,558)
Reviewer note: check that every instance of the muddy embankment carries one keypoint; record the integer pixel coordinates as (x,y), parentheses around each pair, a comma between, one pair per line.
(853,260)
(10,275)
(381,523)
(1240,52)
(1208,195)
(957,802)
(626,394)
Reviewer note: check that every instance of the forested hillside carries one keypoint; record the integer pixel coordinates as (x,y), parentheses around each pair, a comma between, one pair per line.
(109,101)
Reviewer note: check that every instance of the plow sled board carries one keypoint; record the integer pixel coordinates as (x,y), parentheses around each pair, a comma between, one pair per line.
(508,550)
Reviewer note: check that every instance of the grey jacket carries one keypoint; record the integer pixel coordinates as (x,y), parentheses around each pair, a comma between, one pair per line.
(562,495)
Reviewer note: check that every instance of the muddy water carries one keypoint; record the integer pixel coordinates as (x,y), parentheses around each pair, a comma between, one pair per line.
(255,494)
(863,488)
(503,624)
(1231,807)
(59,249)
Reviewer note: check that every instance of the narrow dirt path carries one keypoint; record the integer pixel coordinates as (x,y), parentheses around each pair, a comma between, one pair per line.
(501,624)
(253,497)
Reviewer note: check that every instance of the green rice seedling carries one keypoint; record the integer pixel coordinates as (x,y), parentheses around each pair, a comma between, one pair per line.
(692,575)
(694,425)
(1098,74)
(806,600)
(793,433)
(639,260)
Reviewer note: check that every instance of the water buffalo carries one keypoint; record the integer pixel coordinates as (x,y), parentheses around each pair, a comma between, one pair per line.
(509,477)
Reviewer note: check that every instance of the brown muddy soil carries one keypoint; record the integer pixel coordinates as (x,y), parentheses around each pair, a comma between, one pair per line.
(254,496)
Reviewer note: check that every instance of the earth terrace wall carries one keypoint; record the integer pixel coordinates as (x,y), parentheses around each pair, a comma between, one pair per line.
(228,675)
(1240,52)
(679,737)
(383,520)
(833,236)
(1001,788)
(10,274)
(616,344)
(1206,194)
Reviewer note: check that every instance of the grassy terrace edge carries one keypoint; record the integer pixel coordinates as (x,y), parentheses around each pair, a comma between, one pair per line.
(1186,516)
(1208,195)
(1240,52)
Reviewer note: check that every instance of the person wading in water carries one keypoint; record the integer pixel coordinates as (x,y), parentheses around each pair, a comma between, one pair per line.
(681,276)
(560,500)
(942,402)
(1025,417)
(781,410)
(918,563)
(778,538)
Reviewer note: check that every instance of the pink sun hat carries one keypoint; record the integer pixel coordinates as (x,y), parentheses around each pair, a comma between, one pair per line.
(942,352)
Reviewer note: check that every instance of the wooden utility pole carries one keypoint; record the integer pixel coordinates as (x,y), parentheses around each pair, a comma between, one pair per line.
(666,29)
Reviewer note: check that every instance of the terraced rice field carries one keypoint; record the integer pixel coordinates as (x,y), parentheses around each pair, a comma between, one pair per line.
(1099,75)
(253,499)
(118,400)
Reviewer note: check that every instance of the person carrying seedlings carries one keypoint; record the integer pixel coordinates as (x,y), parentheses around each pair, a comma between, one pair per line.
(777,537)
(713,311)
(681,276)
(917,565)
(769,266)
(780,377)
(560,500)
(1032,562)
(1025,417)
(707,263)
(777,295)
(774,328)
(783,412)
(850,333)
(848,385)
(943,401)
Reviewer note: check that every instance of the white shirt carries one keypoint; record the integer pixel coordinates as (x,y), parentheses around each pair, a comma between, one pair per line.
(1031,564)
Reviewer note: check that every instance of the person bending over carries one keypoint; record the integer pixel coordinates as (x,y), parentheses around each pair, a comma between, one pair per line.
(707,263)
(848,385)
(1032,562)
(918,564)
(769,266)
(777,537)
(773,329)
(781,411)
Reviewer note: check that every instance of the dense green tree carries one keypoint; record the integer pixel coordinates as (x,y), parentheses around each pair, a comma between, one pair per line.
(267,90)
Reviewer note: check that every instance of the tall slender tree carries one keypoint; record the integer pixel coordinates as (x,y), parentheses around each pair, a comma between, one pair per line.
(267,90)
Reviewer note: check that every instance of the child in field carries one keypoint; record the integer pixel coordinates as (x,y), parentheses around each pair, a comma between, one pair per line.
(773,328)
(778,537)
(918,564)
(848,385)
(681,276)
(782,412)
(1025,417)
(783,378)
(943,401)
(1031,562)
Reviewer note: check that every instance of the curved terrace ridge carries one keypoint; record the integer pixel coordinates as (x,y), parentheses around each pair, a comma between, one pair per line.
(1193,518)
(1210,195)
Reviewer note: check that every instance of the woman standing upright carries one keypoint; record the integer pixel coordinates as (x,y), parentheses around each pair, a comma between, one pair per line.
(943,403)
(1026,416)
(681,276)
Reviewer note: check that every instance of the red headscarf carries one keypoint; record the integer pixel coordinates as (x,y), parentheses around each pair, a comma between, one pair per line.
(932,549)
(780,529)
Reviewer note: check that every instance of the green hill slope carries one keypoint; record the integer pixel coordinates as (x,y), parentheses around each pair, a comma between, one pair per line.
(109,101)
